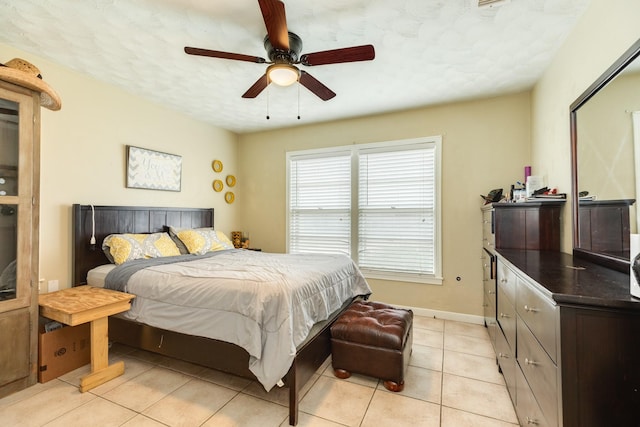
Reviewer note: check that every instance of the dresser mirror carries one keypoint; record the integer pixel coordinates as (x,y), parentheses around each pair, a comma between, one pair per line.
(604,163)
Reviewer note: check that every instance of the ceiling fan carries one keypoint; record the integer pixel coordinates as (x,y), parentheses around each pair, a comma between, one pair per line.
(283,49)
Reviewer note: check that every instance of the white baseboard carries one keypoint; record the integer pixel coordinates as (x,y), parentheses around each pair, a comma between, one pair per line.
(445,315)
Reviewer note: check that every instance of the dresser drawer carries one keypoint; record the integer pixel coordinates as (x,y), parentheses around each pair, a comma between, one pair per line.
(527,408)
(540,315)
(490,318)
(507,362)
(507,280)
(506,316)
(488,236)
(539,371)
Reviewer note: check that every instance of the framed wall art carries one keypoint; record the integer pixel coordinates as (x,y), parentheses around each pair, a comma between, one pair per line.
(153,170)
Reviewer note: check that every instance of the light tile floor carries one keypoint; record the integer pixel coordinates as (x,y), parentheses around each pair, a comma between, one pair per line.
(452,381)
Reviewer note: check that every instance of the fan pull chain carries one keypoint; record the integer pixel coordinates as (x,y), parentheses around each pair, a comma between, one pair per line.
(268,103)
(298,101)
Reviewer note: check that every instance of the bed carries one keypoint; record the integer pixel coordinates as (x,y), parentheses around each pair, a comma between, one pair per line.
(310,351)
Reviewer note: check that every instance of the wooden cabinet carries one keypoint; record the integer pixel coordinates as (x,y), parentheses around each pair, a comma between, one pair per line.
(530,225)
(576,341)
(19,229)
(523,318)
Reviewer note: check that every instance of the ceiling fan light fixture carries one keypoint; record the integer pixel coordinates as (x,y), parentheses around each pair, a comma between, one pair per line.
(283,74)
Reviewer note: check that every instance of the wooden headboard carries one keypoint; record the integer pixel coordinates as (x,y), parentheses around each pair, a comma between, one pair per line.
(123,219)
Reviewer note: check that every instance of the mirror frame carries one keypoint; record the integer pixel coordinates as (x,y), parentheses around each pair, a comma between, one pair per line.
(612,72)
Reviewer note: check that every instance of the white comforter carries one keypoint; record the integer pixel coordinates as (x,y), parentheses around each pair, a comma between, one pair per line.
(265,303)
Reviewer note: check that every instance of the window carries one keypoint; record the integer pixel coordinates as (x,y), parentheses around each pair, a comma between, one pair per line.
(378,203)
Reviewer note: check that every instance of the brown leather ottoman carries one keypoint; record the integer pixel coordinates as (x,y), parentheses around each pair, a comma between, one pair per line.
(374,339)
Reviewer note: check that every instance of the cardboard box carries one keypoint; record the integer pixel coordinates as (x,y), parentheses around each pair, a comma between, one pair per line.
(63,350)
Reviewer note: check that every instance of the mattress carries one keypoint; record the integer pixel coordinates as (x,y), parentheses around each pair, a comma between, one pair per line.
(97,275)
(265,303)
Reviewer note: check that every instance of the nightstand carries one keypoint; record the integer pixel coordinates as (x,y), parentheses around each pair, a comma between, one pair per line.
(82,304)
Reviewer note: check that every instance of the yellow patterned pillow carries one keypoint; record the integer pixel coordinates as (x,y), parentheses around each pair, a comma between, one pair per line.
(121,248)
(200,241)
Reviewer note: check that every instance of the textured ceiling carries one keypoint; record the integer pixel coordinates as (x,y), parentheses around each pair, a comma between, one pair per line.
(427,51)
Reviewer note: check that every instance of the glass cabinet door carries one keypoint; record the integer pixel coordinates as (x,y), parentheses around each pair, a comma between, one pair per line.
(16,199)
(9,148)
(19,236)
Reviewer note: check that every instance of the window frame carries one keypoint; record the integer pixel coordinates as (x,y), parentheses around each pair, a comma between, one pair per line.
(434,142)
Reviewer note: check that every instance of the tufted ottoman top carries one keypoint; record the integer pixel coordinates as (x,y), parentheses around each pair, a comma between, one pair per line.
(374,324)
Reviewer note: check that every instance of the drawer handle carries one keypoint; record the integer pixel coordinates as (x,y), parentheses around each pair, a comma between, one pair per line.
(503,280)
(504,316)
(532,421)
(503,355)
(530,309)
(492,292)
(529,362)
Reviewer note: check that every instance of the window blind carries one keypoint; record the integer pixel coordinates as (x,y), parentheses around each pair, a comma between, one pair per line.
(396,210)
(377,203)
(320,204)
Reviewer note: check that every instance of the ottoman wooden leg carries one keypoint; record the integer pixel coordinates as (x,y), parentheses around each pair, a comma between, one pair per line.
(341,373)
(394,386)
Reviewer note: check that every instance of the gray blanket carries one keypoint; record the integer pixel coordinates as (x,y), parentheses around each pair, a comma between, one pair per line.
(265,303)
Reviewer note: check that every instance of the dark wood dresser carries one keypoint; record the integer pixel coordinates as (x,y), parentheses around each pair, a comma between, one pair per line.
(566,331)
(573,339)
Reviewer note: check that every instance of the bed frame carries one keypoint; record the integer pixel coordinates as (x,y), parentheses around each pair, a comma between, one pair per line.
(211,353)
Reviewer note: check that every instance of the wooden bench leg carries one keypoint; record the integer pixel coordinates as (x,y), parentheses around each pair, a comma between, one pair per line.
(101,372)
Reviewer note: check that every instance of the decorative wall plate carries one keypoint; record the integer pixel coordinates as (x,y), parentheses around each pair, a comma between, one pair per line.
(217,185)
(217,166)
(229,197)
(231,180)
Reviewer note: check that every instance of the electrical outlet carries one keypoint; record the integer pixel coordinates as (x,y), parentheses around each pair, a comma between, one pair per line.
(53,286)
(42,287)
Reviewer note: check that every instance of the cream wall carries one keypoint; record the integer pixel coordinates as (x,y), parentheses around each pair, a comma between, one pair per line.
(485,144)
(83,157)
(605,31)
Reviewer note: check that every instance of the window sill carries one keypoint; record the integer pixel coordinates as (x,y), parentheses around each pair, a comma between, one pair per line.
(402,277)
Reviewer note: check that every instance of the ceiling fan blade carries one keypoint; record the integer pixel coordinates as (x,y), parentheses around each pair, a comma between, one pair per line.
(223,55)
(314,85)
(257,87)
(335,56)
(275,20)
